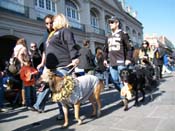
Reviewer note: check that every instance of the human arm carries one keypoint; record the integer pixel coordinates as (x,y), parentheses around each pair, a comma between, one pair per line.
(42,61)
(68,38)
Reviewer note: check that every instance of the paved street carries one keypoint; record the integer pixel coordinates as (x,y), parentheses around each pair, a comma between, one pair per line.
(158,115)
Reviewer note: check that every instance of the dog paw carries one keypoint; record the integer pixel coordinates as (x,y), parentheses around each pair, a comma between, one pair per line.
(64,126)
(126,109)
(79,122)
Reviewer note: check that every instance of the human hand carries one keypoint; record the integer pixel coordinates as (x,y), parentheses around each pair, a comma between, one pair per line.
(127,62)
(105,63)
(39,66)
(75,62)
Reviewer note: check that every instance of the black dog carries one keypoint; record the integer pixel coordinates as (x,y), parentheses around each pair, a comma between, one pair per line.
(140,78)
(136,78)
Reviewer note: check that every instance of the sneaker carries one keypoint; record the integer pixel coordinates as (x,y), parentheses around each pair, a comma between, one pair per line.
(60,117)
(33,109)
(29,108)
(3,110)
(40,111)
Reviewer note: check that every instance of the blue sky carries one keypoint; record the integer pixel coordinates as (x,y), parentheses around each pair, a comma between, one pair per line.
(157,16)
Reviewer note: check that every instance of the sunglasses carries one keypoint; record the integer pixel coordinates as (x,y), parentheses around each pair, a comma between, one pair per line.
(34,46)
(111,22)
(49,23)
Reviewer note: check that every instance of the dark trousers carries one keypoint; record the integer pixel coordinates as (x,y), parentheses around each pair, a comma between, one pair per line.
(158,71)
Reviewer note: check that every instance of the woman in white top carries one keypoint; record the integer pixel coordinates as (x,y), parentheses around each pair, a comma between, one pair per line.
(20,51)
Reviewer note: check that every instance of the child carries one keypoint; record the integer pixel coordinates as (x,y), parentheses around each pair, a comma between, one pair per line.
(27,74)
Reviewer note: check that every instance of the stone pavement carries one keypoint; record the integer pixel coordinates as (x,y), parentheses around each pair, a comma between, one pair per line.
(157,115)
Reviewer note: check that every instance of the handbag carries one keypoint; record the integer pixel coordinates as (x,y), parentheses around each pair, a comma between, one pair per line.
(14,66)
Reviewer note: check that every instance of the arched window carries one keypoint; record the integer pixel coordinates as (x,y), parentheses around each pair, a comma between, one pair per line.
(107,27)
(72,11)
(94,19)
(134,32)
(47,5)
(128,30)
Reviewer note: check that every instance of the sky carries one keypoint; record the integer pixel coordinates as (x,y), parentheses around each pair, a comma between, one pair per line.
(156,16)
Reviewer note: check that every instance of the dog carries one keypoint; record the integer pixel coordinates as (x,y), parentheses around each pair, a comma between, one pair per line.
(136,80)
(69,90)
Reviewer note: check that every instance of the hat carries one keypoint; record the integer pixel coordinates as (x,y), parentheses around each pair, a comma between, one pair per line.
(113,18)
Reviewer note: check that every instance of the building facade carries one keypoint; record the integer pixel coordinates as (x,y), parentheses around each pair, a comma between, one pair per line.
(88,20)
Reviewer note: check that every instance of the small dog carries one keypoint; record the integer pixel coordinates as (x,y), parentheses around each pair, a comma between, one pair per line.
(68,90)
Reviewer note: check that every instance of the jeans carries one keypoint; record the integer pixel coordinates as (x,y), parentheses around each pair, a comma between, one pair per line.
(30,95)
(115,74)
(1,95)
(42,97)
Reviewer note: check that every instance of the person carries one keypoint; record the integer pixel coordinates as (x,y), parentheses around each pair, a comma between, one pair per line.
(48,20)
(86,58)
(27,74)
(61,48)
(145,53)
(2,92)
(21,53)
(116,50)
(43,96)
(34,54)
(158,60)
(166,64)
(100,69)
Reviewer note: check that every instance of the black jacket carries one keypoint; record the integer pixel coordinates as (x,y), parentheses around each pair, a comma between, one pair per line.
(61,49)
(158,56)
(116,48)
(86,59)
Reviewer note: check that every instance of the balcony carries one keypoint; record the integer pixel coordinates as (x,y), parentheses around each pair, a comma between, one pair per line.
(98,30)
(77,25)
(12,7)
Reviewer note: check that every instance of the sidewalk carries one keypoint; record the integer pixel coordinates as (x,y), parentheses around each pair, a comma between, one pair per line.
(157,115)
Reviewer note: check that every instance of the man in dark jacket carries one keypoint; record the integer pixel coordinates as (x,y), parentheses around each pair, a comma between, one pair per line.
(117,50)
(87,59)
(158,60)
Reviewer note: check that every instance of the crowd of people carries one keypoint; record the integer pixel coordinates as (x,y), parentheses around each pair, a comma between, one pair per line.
(59,51)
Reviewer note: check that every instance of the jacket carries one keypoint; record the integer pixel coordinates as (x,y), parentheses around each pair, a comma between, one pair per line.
(61,49)
(116,48)
(26,75)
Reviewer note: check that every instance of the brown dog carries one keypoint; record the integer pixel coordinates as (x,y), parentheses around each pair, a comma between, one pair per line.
(68,90)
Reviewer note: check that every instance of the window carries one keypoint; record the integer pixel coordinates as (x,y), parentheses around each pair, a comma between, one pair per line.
(53,6)
(48,5)
(72,11)
(94,20)
(107,27)
(41,3)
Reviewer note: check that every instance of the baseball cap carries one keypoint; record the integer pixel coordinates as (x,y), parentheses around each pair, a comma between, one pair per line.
(113,18)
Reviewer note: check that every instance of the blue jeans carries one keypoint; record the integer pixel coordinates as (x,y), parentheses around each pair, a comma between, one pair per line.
(115,74)
(1,94)
(42,97)
(30,95)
